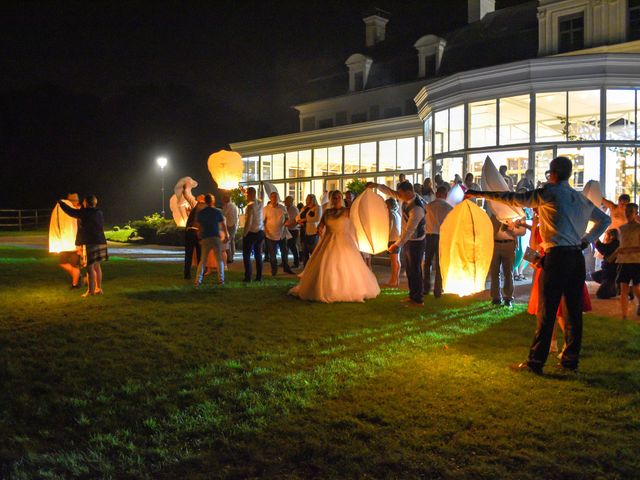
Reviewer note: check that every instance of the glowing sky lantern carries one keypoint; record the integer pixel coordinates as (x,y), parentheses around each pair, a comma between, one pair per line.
(455,195)
(492,181)
(466,248)
(226,169)
(62,230)
(593,192)
(178,203)
(370,219)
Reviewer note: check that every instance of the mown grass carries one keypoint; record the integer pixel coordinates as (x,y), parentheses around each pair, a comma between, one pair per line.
(157,380)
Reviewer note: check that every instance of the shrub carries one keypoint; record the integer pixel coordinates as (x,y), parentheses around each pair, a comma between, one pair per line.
(239,198)
(357,186)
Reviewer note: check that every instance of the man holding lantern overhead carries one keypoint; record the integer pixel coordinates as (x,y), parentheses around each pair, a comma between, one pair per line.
(411,239)
(564,215)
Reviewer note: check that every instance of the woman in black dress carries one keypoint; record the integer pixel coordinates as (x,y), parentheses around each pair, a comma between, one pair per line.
(91,236)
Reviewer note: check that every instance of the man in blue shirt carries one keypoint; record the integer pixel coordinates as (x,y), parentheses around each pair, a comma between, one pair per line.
(564,216)
(213,228)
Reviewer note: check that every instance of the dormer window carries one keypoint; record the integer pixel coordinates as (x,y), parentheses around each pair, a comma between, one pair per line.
(359,66)
(430,50)
(571,33)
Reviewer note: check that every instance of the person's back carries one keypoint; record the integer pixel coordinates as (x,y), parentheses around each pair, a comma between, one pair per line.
(629,241)
(209,219)
(435,213)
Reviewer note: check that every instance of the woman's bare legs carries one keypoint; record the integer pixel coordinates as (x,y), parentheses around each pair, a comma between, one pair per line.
(74,273)
(98,286)
(624,299)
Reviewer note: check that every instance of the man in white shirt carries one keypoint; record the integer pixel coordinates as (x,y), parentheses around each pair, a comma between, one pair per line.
(435,213)
(294,231)
(230,212)
(564,215)
(411,238)
(628,258)
(275,217)
(253,236)
(504,257)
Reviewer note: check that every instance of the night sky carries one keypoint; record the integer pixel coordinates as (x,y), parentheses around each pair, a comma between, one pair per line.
(90,94)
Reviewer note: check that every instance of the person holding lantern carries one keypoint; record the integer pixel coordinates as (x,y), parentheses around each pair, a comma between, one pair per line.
(411,239)
(564,215)
(274,216)
(230,212)
(505,236)
(435,213)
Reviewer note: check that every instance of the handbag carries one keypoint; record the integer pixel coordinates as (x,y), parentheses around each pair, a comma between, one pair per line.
(532,256)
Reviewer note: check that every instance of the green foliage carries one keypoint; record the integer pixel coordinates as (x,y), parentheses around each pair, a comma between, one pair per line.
(155,229)
(357,185)
(158,380)
(117,234)
(239,198)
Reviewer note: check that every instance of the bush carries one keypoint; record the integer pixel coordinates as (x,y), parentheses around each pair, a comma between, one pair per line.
(120,234)
(357,186)
(239,198)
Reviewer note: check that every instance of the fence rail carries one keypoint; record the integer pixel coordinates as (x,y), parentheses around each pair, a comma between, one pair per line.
(24,219)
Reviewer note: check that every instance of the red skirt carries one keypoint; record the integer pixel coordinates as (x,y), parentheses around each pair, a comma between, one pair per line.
(534,299)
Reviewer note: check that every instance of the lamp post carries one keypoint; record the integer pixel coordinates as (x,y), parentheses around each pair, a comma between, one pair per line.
(162,162)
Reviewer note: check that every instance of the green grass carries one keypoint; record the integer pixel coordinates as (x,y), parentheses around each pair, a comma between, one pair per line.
(121,235)
(157,380)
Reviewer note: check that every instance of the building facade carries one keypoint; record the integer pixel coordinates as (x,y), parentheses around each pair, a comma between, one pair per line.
(520,84)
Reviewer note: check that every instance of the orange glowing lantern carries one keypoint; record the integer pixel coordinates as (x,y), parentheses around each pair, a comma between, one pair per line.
(370,219)
(226,169)
(62,230)
(466,248)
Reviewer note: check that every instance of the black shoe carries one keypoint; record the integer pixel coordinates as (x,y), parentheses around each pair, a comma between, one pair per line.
(525,367)
(289,271)
(496,302)
(508,303)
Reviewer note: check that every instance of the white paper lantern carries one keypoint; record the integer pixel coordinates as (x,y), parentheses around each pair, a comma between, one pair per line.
(179,210)
(492,181)
(62,230)
(466,248)
(370,218)
(455,195)
(593,192)
(226,169)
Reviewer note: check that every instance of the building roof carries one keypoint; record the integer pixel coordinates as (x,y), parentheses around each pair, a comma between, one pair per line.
(505,35)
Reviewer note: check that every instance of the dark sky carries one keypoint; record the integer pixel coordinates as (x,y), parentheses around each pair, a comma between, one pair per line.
(92,91)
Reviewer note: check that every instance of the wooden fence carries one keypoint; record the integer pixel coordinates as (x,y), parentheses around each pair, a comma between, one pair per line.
(24,219)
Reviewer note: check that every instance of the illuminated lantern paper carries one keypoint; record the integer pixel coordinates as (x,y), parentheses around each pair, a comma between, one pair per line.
(62,230)
(269,188)
(179,210)
(455,195)
(370,219)
(592,191)
(226,169)
(466,248)
(178,203)
(492,181)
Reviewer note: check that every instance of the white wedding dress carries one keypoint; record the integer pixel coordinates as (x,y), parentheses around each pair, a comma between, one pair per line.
(336,271)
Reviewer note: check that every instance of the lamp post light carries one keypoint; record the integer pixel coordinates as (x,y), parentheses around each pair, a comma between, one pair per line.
(162,162)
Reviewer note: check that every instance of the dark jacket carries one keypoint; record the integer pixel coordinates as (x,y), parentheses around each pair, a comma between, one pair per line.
(90,224)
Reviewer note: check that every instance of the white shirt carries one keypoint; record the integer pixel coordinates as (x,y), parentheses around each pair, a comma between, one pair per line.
(253,218)
(435,213)
(313,217)
(274,218)
(230,212)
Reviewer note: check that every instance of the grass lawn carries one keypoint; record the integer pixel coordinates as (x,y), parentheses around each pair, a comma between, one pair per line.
(157,380)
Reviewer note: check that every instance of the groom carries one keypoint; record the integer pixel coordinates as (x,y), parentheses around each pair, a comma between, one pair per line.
(411,239)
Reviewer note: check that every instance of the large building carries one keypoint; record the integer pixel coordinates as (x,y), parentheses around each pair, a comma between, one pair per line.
(520,84)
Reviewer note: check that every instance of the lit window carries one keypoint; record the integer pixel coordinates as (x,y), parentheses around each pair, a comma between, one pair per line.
(250,173)
(571,33)
(448,168)
(277,166)
(428,130)
(292,164)
(320,166)
(586,164)
(584,115)
(516,161)
(482,123)
(335,160)
(406,153)
(304,163)
(441,128)
(621,114)
(352,158)
(621,172)
(368,159)
(456,128)
(514,120)
(265,167)
(387,155)
(551,117)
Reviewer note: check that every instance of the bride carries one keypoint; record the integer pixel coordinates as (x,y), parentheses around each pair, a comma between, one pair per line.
(336,271)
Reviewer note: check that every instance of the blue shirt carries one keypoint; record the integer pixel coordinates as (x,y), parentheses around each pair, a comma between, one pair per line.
(564,213)
(209,219)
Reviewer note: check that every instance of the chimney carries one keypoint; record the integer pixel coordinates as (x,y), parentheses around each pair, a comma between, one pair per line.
(477,9)
(376,25)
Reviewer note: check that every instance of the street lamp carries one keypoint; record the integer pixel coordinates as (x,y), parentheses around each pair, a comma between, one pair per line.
(162,162)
